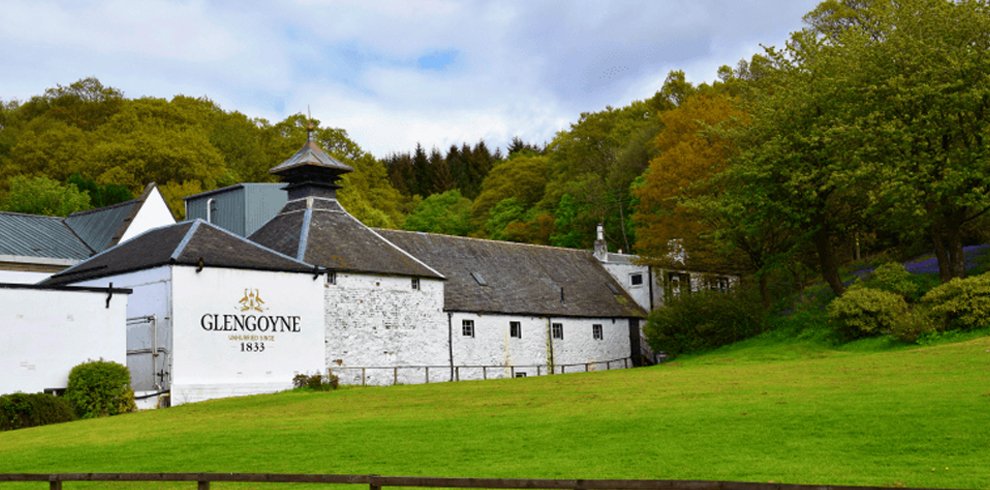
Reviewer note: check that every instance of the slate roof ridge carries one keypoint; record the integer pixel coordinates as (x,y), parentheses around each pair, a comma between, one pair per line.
(253,243)
(489,240)
(386,240)
(185,240)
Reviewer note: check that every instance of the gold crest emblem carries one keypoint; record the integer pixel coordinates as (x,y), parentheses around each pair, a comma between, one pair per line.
(251,301)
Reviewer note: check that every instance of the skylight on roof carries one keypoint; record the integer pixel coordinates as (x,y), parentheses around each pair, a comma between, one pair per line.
(479,278)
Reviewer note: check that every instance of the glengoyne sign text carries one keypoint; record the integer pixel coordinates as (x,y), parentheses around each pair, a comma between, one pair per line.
(250,318)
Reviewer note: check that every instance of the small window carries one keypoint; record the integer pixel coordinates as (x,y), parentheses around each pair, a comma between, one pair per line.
(596,332)
(415,283)
(557,330)
(467,328)
(331,278)
(636,279)
(515,330)
(520,375)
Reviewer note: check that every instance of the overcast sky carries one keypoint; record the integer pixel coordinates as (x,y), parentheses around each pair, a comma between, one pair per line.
(391,73)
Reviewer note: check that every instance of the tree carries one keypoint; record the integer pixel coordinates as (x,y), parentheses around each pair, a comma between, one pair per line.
(693,150)
(522,178)
(41,195)
(448,213)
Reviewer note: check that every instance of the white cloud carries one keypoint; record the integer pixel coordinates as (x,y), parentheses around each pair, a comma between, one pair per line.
(525,67)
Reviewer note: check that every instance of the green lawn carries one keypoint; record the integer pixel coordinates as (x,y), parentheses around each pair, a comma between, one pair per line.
(797,412)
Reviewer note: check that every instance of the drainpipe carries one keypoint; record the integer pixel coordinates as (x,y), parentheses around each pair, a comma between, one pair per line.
(649,276)
(450,341)
(550,363)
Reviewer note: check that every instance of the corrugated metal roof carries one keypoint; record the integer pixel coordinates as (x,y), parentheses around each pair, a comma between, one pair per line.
(28,235)
(187,243)
(101,228)
(518,278)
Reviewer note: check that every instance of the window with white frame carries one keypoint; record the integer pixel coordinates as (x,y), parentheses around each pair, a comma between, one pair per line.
(557,330)
(331,278)
(515,330)
(467,328)
(415,283)
(596,332)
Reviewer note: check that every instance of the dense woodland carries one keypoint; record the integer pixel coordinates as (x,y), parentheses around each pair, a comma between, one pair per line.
(865,134)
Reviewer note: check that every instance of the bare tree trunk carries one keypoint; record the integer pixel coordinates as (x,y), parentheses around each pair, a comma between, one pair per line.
(826,258)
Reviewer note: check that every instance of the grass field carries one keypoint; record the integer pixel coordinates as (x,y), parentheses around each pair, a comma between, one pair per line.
(784,410)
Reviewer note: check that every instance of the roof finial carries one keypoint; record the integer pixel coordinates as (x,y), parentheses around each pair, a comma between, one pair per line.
(309,125)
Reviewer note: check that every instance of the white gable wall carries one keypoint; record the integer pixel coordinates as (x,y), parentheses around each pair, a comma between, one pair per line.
(382,322)
(222,350)
(47,332)
(153,214)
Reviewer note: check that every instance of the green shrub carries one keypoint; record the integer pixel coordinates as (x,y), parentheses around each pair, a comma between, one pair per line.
(100,388)
(316,382)
(961,303)
(703,320)
(863,312)
(916,324)
(893,278)
(19,410)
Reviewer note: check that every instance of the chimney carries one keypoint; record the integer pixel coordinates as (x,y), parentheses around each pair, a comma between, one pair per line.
(601,249)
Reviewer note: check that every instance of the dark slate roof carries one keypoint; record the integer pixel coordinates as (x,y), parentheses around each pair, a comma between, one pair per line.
(28,235)
(487,276)
(311,155)
(326,235)
(186,243)
(102,228)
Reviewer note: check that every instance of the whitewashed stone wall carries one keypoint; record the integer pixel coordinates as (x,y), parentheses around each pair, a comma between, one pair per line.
(530,355)
(381,322)
(579,347)
(215,358)
(492,345)
(45,333)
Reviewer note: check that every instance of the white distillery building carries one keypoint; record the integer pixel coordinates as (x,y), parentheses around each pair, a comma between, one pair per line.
(213,314)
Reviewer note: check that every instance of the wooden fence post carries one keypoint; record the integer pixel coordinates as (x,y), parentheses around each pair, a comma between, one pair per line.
(395,376)
(484,372)
(203,485)
(512,371)
(54,485)
(427,374)
(362,377)
(457,373)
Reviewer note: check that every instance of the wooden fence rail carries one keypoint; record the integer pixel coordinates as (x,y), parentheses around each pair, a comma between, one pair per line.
(376,482)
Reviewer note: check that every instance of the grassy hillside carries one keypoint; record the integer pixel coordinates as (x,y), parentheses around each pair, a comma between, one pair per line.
(755,412)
